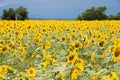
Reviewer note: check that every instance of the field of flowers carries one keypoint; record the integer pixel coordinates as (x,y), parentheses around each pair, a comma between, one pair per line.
(59,50)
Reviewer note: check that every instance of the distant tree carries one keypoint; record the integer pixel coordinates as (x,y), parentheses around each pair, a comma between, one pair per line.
(118,16)
(21,13)
(93,14)
(112,17)
(11,13)
(4,14)
(79,17)
(8,14)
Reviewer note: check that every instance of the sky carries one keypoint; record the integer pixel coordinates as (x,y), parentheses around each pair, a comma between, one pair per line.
(59,9)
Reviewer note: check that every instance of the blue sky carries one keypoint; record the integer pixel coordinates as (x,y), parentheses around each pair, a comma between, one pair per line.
(62,9)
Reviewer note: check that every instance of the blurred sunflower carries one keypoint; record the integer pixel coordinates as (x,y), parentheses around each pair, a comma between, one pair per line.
(74,74)
(102,43)
(77,46)
(31,72)
(116,53)
(47,44)
(72,57)
(5,49)
(114,76)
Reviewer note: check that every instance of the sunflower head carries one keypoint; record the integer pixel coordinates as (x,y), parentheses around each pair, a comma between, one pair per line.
(77,45)
(72,57)
(116,53)
(31,72)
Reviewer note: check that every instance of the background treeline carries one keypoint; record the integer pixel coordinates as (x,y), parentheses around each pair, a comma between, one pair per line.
(93,13)
(11,14)
(97,14)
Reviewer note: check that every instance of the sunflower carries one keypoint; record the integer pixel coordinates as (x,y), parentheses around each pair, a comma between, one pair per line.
(80,61)
(72,57)
(2,42)
(43,53)
(4,68)
(3,71)
(22,50)
(38,41)
(74,74)
(92,56)
(86,42)
(11,45)
(5,49)
(77,45)
(95,77)
(31,72)
(22,58)
(104,54)
(47,44)
(102,43)
(116,53)
(53,61)
(33,55)
(114,76)
(63,39)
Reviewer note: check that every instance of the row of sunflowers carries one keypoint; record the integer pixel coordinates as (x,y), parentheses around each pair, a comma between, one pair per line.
(59,50)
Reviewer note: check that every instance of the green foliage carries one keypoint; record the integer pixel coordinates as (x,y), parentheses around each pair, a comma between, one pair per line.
(19,14)
(97,14)
(118,16)
(112,17)
(94,14)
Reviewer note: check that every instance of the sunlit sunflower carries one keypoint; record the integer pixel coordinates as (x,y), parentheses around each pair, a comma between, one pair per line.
(33,55)
(43,53)
(5,49)
(4,68)
(53,61)
(74,74)
(86,42)
(116,53)
(92,56)
(11,45)
(63,39)
(72,57)
(22,58)
(80,61)
(94,77)
(2,42)
(38,41)
(31,72)
(115,76)
(77,45)
(22,50)
(104,54)
(47,44)
(102,43)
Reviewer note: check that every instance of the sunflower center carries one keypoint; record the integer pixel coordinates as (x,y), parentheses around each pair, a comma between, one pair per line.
(117,54)
(63,39)
(4,49)
(77,45)
(31,72)
(101,43)
(71,57)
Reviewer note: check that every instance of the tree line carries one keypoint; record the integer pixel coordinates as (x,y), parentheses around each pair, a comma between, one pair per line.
(92,13)
(97,14)
(20,13)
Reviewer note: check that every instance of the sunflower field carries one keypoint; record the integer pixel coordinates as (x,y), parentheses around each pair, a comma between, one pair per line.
(59,50)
